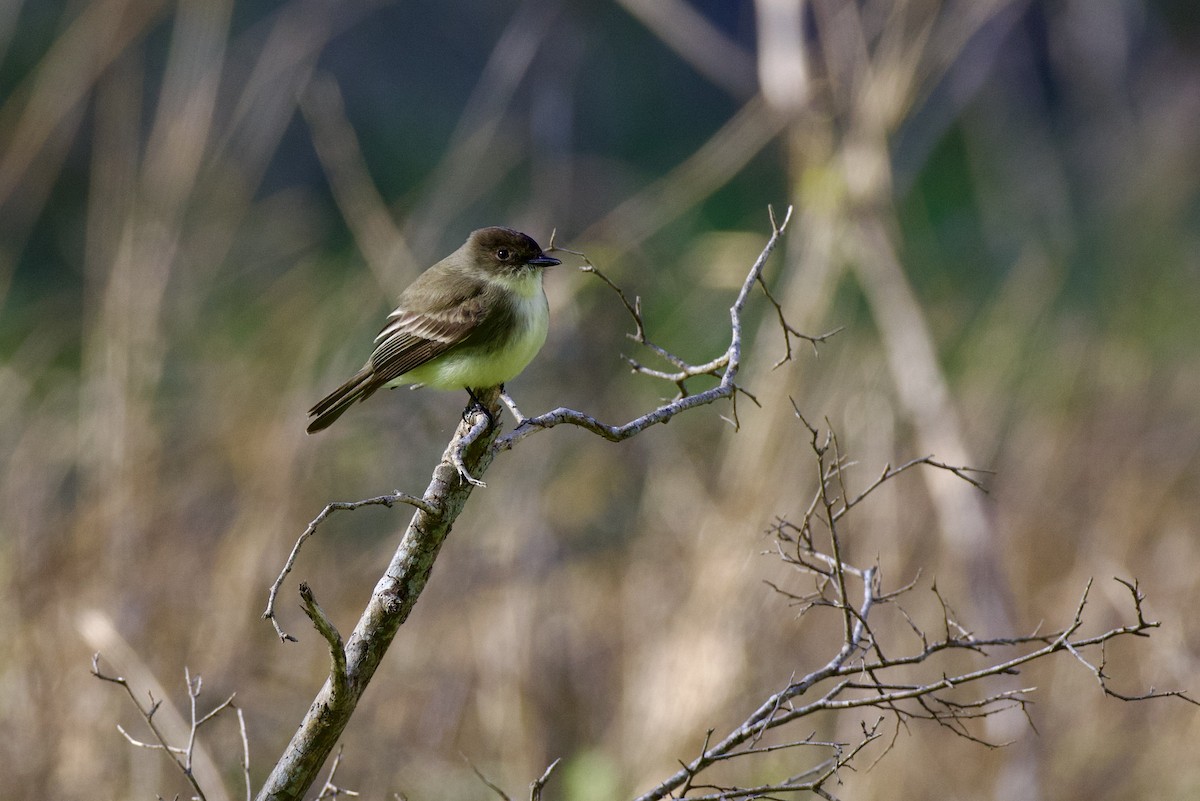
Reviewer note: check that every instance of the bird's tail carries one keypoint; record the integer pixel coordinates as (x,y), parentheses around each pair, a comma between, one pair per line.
(330,408)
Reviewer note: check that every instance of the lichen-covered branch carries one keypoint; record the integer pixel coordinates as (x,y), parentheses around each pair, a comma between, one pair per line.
(391,602)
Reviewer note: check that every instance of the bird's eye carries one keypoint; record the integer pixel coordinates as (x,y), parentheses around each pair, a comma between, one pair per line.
(503,254)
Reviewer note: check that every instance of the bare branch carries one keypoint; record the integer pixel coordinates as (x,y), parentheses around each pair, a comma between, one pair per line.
(486,781)
(391,602)
(331,790)
(180,755)
(789,331)
(245,754)
(890,472)
(724,367)
(337,650)
(338,506)
(535,789)
(860,675)
(150,746)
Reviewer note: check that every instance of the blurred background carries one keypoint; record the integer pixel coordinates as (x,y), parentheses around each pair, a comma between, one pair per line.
(206,208)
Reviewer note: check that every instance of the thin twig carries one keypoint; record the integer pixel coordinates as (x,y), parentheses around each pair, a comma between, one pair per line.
(860,675)
(331,790)
(535,789)
(245,754)
(486,781)
(325,627)
(789,331)
(180,755)
(724,367)
(338,506)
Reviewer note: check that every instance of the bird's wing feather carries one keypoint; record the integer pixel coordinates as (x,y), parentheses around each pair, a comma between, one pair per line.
(413,337)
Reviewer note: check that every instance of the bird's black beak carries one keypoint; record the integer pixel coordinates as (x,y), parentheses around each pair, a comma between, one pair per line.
(543,261)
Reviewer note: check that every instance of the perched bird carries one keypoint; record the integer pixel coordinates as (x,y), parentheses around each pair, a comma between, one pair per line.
(473,320)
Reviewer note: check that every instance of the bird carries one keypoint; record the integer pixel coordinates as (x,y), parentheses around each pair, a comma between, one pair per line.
(473,320)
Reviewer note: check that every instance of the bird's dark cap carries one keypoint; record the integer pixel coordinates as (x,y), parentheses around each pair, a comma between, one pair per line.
(524,247)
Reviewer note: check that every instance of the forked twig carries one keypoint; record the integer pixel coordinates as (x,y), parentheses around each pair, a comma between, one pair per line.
(337,506)
(181,756)
(860,675)
(724,367)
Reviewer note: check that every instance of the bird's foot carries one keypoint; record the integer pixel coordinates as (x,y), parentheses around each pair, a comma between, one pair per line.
(476,406)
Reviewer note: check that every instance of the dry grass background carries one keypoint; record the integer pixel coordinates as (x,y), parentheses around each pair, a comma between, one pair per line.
(998,200)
